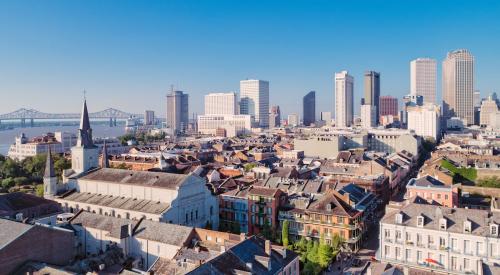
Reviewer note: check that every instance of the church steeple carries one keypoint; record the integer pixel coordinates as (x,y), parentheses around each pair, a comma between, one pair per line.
(85,155)
(49,177)
(104,159)
(85,132)
(49,166)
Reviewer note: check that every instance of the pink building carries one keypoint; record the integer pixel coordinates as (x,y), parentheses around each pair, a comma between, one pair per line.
(433,191)
(388,105)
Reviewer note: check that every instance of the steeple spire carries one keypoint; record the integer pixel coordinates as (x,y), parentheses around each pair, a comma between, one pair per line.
(85,132)
(104,160)
(49,166)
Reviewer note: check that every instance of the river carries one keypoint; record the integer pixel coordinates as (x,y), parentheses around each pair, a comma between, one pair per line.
(7,137)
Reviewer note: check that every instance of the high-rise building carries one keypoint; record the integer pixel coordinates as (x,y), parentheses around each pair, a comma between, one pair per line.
(293,120)
(488,106)
(274,117)
(149,117)
(177,111)
(372,91)
(221,104)
(477,98)
(458,86)
(309,108)
(388,106)
(368,114)
(326,117)
(255,101)
(425,120)
(344,103)
(423,74)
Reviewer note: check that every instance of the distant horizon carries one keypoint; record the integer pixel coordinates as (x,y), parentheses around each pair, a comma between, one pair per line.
(127,54)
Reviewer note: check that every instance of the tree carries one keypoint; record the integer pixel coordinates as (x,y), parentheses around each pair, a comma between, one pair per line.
(336,242)
(61,164)
(8,183)
(284,233)
(39,190)
(34,166)
(10,168)
(267,231)
(21,181)
(325,253)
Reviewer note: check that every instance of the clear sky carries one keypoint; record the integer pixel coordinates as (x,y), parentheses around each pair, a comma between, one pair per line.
(126,54)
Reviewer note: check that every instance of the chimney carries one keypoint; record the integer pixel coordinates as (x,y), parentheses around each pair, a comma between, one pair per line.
(242,236)
(268,247)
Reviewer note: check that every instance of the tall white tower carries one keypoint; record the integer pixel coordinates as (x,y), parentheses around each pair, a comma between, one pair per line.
(344,103)
(85,155)
(255,101)
(458,86)
(423,74)
(49,177)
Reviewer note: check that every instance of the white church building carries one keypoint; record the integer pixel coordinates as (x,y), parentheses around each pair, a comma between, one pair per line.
(158,196)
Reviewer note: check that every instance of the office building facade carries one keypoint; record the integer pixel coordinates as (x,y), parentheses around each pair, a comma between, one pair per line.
(255,101)
(458,86)
(309,108)
(423,74)
(344,102)
(177,111)
(221,104)
(372,91)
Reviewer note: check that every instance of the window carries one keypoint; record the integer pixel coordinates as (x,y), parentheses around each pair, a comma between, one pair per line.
(186,221)
(454,244)
(408,254)
(420,221)
(479,248)
(467,226)
(419,239)
(408,237)
(419,256)
(387,250)
(454,263)
(467,247)
(196,214)
(387,233)
(494,230)
(398,252)
(442,241)
(430,239)
(398,235)
(466,264)
(442,224)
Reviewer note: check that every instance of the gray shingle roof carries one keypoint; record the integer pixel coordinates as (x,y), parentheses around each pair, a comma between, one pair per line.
(147,178)
(11,230)
(480,219)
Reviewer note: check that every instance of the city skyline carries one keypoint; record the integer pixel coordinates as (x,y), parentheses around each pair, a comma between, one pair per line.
(54,62)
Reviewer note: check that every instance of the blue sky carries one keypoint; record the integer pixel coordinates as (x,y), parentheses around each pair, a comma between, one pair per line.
(126,54)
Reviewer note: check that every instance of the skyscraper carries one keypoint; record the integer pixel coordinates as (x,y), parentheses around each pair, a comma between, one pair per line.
(274,117)
(221,104)
(255,101)
(177,111)
(149,117)
(344,104)
(372,91)
(477,98)
(458,86)
(388,105)
(423,74)
(309,108)
(367,116)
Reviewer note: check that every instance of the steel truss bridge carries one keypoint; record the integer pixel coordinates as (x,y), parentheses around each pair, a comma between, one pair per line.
(30,115)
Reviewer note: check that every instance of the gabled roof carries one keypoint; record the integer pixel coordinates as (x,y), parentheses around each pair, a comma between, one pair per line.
(11,230)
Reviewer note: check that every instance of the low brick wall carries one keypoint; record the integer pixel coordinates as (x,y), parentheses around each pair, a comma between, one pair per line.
(484,172)
(483,191)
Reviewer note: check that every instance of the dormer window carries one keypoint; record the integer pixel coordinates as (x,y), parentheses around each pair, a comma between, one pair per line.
(443,224)
(467,226)
(420,221)
(399,218)
(494,230)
